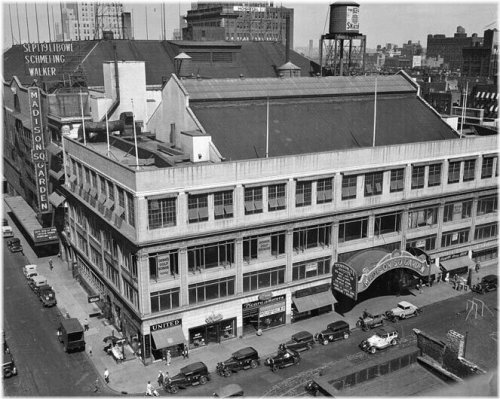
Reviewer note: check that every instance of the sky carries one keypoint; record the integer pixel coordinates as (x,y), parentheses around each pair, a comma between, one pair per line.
(381,22)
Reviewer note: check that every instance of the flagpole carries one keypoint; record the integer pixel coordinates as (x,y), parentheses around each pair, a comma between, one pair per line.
(375,113)
(267,129)
(107,132)
(83,119)
(135,136)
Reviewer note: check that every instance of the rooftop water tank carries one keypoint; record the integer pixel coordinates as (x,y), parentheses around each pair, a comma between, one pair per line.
(344,17)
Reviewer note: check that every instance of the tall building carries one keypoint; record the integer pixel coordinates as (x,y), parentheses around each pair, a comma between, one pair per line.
(450,48)
(482,60)
(88,20)
(238,21)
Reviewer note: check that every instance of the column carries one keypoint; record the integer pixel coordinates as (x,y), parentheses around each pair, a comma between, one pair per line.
(290,193)
(182,209)
(440,225)
(183,271)
(238,260)
(288,270)
(337,190)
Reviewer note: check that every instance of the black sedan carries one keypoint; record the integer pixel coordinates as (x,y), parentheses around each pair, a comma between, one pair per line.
(16,248)
(284,358)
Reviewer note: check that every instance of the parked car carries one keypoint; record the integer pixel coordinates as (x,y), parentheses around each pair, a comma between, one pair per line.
(382,339)
(47,296)
(15,246)
(9,367)
(192,374)
(301,341)
(70,333)
(283,359)
(7,231)
(229,391)
(242,359)
(36,282)
(368,320)
(28,270)
(13,241)
(334,331)
(488,283)
(403,311)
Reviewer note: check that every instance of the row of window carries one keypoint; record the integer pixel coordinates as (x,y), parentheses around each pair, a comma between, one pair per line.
(163,212)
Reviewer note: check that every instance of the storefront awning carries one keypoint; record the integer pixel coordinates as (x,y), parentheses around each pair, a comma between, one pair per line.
(168,337)
(310,302)
(456,263)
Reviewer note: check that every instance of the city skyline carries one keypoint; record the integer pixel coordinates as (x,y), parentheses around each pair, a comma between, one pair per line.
(403,21)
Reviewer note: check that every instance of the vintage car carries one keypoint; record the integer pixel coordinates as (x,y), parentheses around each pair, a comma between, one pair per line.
(300,341)
(240,360)
(368,320)
(488,283)
(9,367)
(15,246)
(229,391)
(192,374)
(382,339)
(7,231)
(402,311)
(334,331)
(283,359)
(47,296)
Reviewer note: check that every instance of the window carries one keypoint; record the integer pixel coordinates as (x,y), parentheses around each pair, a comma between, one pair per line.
(121,202)
(253,200)
(397,180)
(434,175)
(276,197)
(469,169)
(312,237)
(165,300)
(263,246)
(453,172)
(303,191)
(422,217)
(102,183)
(457,211)
(130,210)
(96,258)
(349,187)
(87,176)
(487,205)
(353,229)
(211,255)
(417,177)
(324,189)
(311,268)
(263,279)
(130,293)
(486,231)
(209,290)
(454,237)
(373,183)
(163,265)
(426,243)
(197,208)
(388,223)
(112,274)
(487,167)
(162,213)
(111,191)
(223,205)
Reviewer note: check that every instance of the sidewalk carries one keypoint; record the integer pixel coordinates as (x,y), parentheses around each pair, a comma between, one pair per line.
(131,376)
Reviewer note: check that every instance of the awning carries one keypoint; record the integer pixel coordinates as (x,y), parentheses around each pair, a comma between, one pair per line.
(456,263)
(168,337)
(56,199)
(310,302)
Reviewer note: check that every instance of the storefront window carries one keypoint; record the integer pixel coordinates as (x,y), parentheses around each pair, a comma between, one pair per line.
(212,333)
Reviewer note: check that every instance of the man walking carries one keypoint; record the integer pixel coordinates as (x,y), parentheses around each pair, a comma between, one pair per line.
(86,324)
(160,379)
(51,264)
(106,376)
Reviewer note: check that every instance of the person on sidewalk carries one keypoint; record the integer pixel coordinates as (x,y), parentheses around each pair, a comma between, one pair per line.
(106,376)
(86,324)
(51,264)
(90,350)
(149,389)
(168,357)
(160,379)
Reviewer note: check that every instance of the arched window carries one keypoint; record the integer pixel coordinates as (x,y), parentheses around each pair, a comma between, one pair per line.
(17,105)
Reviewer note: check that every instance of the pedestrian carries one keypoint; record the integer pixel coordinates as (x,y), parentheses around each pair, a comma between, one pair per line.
(160,379)
(186,349)
(478,266)
(51,264)
(168,357)
(149,389)
(90,350)
(96,385)
(86,324)
(106,376)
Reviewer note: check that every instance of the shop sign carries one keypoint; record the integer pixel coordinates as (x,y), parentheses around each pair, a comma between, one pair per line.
(166,324)
(407,262)
(420,244)
(38,153)
(344,280)
(311,266)
(265,296)
(45,234)
(269,312)
(264,246)
(458,255)
(259,303)
(213,318)
(163,266)
(93,298)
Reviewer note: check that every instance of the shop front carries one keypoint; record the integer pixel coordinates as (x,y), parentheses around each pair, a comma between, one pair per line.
(312,302)
(216,330)
(265,313)
(456,264)
(166,337)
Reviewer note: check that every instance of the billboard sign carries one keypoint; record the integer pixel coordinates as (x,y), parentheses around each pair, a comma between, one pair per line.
(345,280)
(38,153)
(352,18)
(45,59)
(46,234)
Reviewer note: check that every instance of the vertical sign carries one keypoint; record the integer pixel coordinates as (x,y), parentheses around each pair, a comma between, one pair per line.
(163,266)
(264,246)
(38,154)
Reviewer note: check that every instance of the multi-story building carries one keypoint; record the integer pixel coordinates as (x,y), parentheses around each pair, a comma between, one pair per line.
(450,48)
(410,49)
(225,221)
(88,20)
(482,60)
(239,21)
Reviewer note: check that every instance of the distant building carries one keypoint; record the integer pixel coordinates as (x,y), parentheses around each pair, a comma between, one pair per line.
(88,20)
(238,21)
(410,49)
(450,48)
(482,60)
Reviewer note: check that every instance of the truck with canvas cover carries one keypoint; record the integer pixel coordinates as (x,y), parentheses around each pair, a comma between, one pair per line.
(71,335)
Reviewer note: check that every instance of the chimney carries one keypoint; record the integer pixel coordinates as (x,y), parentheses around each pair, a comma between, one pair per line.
(287,54)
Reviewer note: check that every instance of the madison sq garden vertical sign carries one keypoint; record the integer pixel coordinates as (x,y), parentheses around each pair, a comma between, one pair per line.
(38,153)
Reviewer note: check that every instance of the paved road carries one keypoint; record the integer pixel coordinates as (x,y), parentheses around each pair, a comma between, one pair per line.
(43,367)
